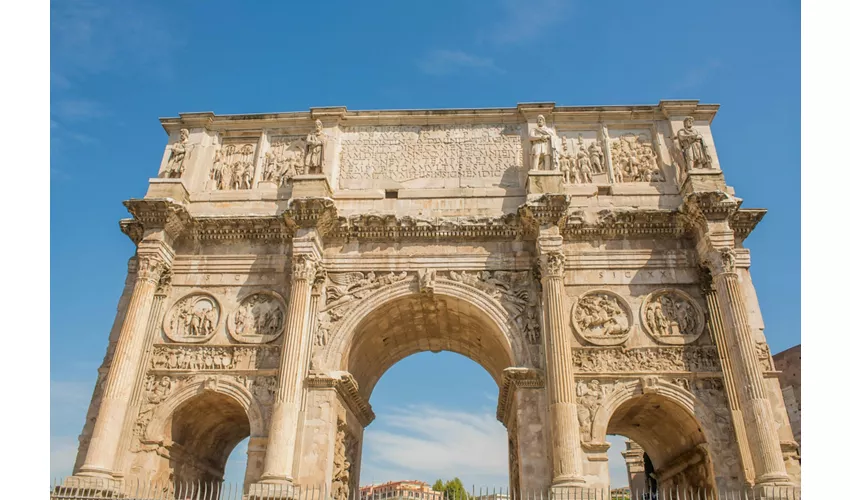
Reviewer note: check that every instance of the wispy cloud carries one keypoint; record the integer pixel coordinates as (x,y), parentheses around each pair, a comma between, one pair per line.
(63,452)
(90,38)
(521,21)
(696,76)
(443,62)
(79,109)
(69,402)
(425,442)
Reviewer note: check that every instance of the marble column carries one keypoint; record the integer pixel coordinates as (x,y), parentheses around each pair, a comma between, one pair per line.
(721,340)
(761,434)
(560,384)
(280,452)
(126,363)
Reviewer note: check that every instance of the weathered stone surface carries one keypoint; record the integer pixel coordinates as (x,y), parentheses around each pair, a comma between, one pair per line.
(589,259)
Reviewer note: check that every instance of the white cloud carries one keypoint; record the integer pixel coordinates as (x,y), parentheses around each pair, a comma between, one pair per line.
(443,62)
(523,21)
(426,443)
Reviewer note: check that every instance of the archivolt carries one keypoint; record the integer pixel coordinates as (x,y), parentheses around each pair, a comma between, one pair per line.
(225,385)
(499,322)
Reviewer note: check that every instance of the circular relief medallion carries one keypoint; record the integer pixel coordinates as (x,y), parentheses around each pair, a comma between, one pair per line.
(602,318)
(259,318)
(194,318)
(671,316)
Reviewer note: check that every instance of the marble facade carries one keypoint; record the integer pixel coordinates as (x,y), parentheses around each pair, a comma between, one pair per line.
(591,259)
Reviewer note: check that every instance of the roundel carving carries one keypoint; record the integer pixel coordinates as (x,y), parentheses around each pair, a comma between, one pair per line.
(258,319)
(194,318)
(672,316)
(602,318)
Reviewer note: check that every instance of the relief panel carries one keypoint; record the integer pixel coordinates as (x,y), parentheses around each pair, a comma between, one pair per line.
(634,157)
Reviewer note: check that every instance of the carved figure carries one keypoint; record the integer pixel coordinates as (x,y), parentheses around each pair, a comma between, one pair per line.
(545,146)
(427,277)
(693,146)
(600,315)
(314,157)
(589,397)
(669,314)
(233,167)
(634,160)
(177,157)
(596,161)
(259,318)
(192,319)
(342,465)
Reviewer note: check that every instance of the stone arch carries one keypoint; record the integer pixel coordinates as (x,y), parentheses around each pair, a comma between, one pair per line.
(472,307)
(664,419)
(199,425)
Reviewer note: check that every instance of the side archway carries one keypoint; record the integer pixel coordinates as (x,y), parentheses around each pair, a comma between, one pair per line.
(662,418)
(198,426)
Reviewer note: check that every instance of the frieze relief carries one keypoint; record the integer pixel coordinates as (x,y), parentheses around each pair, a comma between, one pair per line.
(633,158)
(259,318)
(214,358)
(602,318)
(194,318)
(284,159)
(646,359)
(233,166)
(671,316)
(403,153)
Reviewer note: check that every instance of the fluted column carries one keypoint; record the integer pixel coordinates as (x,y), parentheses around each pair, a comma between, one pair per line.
(126,363)
(722,342)
(280,452)
(762,435)
(563,414)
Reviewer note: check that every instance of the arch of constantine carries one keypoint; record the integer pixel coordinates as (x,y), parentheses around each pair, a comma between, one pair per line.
(591,259)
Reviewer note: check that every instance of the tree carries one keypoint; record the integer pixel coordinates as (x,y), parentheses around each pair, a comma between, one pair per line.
(452,490)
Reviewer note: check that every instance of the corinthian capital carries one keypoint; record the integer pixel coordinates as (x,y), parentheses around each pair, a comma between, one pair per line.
(721,261)
(553,264)
(304,267)
(150,268)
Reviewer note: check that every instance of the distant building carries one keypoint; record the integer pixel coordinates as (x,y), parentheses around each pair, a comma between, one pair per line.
(788,362)
(398,490)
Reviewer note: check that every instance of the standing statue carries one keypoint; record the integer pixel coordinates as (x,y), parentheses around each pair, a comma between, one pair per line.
(693,146)
(314,157)
(545,145)
(175,167)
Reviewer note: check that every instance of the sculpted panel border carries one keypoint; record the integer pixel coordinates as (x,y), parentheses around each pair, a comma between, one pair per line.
(620,331)
(673,339)
(204,325)
(257,339)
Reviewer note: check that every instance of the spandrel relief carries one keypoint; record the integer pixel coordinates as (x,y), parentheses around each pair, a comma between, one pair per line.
(582,158)
(671,316)
(258,319)
(602,318)
(407,153)
(233,166)
(633,157)
(193,318)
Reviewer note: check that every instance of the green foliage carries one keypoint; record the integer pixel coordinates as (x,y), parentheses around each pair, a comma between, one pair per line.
(453,489)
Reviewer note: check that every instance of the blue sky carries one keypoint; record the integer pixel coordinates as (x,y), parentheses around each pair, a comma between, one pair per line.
(118,66)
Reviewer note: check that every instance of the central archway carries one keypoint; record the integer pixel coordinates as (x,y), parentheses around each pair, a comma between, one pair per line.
(400,320)
(416,323)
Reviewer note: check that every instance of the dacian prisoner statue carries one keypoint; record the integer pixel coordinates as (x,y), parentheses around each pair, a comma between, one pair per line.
(601,282)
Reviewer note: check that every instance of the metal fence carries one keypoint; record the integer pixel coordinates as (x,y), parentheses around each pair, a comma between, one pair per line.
(233,491)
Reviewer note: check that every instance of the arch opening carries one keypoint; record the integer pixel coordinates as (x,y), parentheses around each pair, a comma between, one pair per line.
(203,432)
(417,323)
(675,446)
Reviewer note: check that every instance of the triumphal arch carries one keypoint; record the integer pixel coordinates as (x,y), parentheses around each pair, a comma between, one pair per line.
(591,259)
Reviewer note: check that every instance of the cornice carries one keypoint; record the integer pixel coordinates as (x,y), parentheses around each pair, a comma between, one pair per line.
(345,385)
(513,378)
(745,220)
(319,213)
(156,213)
(617,223)
(264,228)
(521,112)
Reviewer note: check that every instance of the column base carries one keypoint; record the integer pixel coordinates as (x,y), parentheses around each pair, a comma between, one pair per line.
(88,485)
(272,489)
(775,490)
(570,491)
